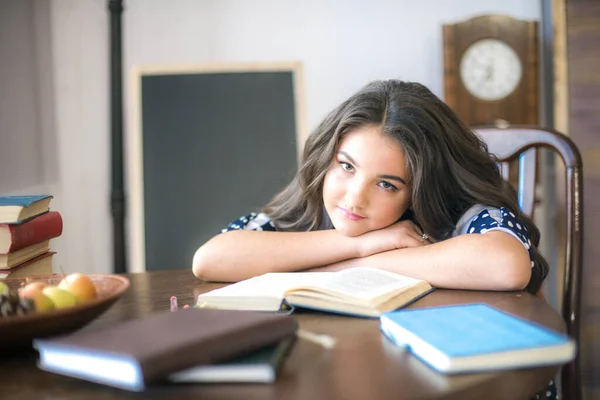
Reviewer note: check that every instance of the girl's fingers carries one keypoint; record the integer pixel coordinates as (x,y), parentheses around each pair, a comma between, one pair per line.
(420,236)
(410,235)
(423,238)
(417,239)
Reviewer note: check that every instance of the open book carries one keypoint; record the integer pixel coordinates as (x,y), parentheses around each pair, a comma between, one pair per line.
(357,291)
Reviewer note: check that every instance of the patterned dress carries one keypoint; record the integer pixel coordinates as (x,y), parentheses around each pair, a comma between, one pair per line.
(478,219)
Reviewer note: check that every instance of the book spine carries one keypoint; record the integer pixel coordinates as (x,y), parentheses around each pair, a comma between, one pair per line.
(20,270)
(36,230)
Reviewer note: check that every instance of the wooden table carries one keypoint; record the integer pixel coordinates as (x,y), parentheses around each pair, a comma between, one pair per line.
(363,364)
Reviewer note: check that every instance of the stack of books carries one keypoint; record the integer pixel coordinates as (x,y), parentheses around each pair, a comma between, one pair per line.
(189,345)
(26,227)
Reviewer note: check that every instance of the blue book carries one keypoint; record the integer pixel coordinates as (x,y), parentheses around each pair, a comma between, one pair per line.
(474,338)
(17,209)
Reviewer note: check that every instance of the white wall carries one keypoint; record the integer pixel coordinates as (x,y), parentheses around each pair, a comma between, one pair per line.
(17,110)
(25,135)
(28,150)
(342,45)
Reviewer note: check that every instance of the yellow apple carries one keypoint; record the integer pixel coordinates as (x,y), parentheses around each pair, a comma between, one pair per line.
(33,291)
(3,288)
(41,301)
(60,297)
(80,285)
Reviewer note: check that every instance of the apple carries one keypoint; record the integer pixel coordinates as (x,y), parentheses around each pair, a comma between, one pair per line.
(60,297)
(4,288)
(80,285)
(34,292)
(32,288)
(42,302)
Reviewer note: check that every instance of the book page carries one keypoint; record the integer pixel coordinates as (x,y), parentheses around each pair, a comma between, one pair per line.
(273,284)
(366,283)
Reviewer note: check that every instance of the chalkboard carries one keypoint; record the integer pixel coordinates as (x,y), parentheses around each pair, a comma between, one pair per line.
(207,145)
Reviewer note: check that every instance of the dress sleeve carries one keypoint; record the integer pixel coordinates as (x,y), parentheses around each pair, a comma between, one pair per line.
(493,219)
(251,222)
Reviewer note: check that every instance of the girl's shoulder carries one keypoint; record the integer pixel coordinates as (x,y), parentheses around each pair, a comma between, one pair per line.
(251,222)
(483,218)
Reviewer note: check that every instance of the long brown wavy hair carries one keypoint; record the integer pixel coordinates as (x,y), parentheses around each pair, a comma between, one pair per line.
(450,168)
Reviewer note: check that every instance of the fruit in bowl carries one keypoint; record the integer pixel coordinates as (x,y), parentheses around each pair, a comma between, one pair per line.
(19,329)
(34,291)
(61,298)
(11,304)
(80,285)
(32,288)
(39,296)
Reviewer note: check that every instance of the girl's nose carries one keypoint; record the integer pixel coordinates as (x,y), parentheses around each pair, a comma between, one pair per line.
(356,194)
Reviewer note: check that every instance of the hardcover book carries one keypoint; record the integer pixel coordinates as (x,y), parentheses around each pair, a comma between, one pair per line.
(15,209)
(474,338)
(15,237)
(40,265)
(11,260)
(260,366)
(360,291)
(132,354)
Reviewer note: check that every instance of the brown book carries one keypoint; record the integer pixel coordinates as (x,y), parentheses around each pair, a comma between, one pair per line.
(40,265)
(135,353)
(11,260)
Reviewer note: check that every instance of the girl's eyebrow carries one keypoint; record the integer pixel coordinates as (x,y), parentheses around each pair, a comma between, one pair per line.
(392,177)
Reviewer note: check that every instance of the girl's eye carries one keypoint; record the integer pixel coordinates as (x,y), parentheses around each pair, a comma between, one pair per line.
(346,167)
(387,186)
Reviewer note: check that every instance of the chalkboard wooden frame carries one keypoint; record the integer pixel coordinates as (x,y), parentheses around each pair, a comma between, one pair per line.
(136,232)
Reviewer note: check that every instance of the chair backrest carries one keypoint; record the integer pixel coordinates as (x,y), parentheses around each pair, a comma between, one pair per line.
(521,142)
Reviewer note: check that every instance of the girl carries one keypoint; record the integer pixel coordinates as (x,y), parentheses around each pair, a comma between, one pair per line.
(390,179)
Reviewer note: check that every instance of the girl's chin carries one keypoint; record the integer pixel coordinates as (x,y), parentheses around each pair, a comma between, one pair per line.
(349,231)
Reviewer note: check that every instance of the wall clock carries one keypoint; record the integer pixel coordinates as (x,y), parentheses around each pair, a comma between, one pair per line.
(491,70)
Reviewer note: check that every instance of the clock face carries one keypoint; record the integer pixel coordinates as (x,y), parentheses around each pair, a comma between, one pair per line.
(490,69)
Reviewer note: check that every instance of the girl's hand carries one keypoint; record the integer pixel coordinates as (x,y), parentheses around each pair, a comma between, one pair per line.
(399,235)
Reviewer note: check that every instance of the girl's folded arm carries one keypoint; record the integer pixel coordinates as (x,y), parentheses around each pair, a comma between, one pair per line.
(490,261)
(241,254)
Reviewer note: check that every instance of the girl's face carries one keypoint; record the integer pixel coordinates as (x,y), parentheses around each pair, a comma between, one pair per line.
(365,188)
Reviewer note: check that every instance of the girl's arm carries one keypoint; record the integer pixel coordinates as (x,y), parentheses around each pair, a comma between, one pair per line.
(241,254)
(490,261)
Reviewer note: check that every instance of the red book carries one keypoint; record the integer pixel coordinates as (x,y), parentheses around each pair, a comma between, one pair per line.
(14,237)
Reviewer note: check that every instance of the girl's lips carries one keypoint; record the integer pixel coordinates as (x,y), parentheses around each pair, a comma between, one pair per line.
(350,215)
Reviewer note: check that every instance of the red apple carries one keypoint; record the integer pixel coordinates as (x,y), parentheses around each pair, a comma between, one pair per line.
(32,288)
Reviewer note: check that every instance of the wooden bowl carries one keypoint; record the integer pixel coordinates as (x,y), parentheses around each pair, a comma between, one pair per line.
(20,330)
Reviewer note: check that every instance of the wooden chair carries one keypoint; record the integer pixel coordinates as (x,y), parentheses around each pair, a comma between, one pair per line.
(521,142)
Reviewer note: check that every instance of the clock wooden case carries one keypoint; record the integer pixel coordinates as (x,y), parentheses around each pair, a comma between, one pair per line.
(491,70)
